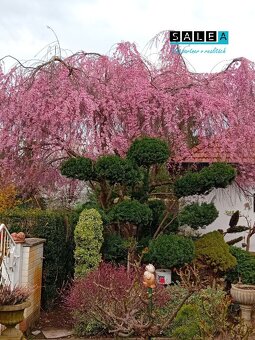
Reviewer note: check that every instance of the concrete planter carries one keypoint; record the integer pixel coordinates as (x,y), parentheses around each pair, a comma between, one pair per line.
(10,316)
(245,296)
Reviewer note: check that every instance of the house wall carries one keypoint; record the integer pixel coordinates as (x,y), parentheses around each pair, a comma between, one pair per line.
(231,199)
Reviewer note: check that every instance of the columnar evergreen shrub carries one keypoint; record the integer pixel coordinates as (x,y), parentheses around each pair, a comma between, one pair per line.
(88,236)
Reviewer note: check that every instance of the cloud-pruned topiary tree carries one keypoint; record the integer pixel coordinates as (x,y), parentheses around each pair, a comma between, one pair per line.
(127,187)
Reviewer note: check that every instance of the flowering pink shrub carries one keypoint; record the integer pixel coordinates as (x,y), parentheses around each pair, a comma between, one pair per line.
(111,296)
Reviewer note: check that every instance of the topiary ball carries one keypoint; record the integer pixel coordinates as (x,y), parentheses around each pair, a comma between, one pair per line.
(117,170)
(78,168)
(131,211)
(168,251)
(147,151)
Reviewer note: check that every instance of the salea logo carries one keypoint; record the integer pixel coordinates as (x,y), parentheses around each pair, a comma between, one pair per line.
(199,37)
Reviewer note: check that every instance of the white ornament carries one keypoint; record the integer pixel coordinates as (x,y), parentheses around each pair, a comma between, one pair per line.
(150,268)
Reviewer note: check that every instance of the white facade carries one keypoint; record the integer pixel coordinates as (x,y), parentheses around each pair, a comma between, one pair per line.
(231,199)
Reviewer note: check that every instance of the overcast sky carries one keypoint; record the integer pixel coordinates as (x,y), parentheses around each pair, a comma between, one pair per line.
(96,25)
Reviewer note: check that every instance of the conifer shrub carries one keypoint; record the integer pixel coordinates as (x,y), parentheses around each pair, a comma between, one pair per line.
(114,248)
(214,252)
(88,237)
(131,211)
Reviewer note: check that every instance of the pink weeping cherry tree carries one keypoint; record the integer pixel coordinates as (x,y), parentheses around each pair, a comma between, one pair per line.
(89,104)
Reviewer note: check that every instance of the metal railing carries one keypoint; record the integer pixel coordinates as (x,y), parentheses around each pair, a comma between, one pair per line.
(9,255)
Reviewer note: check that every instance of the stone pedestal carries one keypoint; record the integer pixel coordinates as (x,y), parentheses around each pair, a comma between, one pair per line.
(246,314)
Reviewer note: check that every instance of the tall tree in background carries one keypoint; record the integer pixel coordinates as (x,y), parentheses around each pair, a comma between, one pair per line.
(89,104)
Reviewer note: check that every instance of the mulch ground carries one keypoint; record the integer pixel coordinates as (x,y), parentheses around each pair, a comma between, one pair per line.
(58,317)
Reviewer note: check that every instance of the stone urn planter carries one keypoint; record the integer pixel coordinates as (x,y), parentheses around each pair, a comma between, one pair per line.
(245,296)
(10,316)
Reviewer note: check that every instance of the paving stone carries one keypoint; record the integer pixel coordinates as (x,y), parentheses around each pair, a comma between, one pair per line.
(37,332)
(53,333)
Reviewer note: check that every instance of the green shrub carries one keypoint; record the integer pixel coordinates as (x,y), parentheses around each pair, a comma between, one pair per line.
(147,151)
(117,170)
(245,267)
(88,236)
(133,212)
(216,175)
(57,228)
(114,249)
(203,317)
(212,250)
(198,215)
(78,168)
(187,323)
(171,250)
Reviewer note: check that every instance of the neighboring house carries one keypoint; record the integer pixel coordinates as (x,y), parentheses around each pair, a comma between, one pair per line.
(230,199)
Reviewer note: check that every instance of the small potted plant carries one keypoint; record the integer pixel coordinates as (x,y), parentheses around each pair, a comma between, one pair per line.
(12,305)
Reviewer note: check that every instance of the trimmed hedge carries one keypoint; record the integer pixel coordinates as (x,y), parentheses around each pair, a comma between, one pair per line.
(57,227)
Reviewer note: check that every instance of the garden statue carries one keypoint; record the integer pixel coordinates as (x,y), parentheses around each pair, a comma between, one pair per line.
(149,279)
